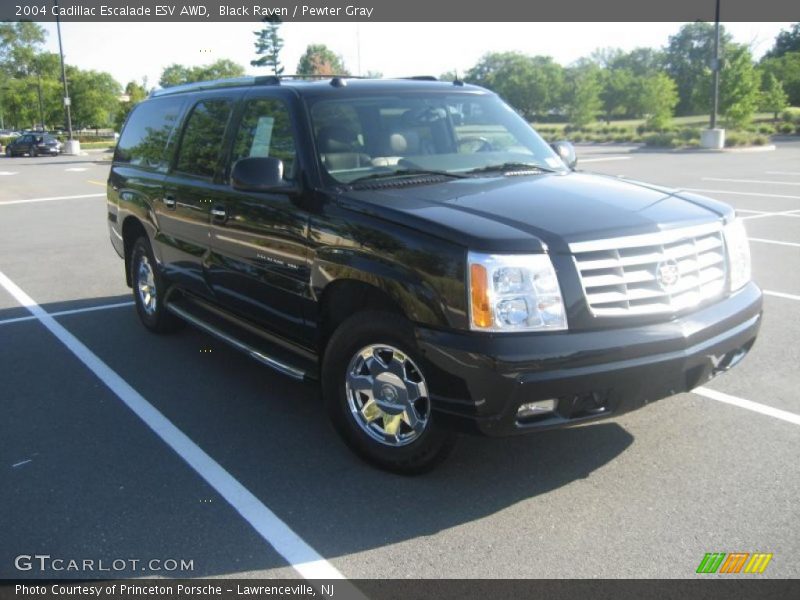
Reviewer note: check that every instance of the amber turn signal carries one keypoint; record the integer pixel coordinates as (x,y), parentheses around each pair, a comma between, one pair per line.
(481,307)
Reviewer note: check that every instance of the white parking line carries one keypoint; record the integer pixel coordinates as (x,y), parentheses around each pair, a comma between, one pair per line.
(748,404)
(780,295)
(585,160)
(761,181)
(73,311)
(776,242)
(29,200)
(765,214)
(8,172)
(302,557)
(754,194)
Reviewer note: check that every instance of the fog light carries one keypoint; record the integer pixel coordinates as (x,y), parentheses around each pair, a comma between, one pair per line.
(536,409)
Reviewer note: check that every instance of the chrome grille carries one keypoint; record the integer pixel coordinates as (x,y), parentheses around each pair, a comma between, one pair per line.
(662,272)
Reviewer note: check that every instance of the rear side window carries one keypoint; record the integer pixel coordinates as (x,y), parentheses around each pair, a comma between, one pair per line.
(147,134)
(266,130)
(202,138)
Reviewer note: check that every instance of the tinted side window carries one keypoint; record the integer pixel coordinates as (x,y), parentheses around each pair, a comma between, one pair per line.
(147,133)
(266,130)
(202,138)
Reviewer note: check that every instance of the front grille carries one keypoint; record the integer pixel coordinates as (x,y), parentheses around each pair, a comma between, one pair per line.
(662,272)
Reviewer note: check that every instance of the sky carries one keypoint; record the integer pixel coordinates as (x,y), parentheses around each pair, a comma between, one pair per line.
(131,51)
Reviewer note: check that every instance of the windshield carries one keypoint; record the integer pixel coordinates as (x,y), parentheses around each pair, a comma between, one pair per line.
(400,134)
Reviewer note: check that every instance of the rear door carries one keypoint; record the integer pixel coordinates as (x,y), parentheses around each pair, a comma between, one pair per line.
(191,189)
(259,260)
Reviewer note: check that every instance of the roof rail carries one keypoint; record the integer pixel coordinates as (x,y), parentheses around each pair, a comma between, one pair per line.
(216,83)
(422,78)
(330,76)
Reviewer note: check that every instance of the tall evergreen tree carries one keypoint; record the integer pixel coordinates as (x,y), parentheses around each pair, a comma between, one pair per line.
(269,44)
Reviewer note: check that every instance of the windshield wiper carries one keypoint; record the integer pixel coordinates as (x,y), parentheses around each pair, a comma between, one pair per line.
(408,173)
(513,166)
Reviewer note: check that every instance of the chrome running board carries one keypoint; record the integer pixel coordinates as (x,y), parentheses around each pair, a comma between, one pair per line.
(273,363)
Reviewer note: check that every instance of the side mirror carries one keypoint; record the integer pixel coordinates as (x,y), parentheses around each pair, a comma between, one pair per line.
(259,174)
(566,151)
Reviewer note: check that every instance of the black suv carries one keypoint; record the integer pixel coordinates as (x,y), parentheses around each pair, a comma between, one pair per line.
(417,248)
(34,144)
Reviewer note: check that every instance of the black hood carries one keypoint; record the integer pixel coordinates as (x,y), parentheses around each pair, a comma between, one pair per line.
(526,213)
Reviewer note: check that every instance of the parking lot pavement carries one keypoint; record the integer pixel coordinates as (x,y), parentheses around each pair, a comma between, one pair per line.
(91,479)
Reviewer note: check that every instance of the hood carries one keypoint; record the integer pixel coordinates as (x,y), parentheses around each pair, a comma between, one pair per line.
(530,212)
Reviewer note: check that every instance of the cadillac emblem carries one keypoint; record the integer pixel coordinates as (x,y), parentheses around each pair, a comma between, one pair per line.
(668,274)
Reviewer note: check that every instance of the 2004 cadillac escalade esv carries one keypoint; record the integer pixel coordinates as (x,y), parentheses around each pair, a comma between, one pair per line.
(420,250)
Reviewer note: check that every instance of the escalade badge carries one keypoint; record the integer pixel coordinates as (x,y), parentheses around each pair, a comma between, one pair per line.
(667,274)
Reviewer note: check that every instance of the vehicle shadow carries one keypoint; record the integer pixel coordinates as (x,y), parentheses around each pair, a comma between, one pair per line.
(272,435)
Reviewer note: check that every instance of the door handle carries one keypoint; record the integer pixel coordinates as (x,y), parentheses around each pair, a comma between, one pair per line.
(169,201)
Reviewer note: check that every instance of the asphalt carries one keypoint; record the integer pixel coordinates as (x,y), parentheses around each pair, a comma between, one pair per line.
(643,495)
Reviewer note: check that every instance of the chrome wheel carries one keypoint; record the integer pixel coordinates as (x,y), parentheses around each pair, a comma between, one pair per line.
(387,395)
(146,285)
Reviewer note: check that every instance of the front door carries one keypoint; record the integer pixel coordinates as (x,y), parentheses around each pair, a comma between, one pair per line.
(259,260)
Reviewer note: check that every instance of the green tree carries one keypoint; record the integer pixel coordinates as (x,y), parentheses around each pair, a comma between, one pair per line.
(582,93)
(688,61)
(657,97)
(176,74)
(20,43)
(135,93)
(787,41)
(95,98)
(641,62)
(773,97)
(269,44)
(739,86)
(786,70)
(531,84)
(221,69)
(618,93)
(318,59)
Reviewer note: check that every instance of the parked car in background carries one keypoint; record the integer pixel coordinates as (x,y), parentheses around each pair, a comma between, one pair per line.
(9,133)
(34,145)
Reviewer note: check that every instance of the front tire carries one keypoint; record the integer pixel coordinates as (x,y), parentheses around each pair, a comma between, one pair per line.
(149,290)
(376,394)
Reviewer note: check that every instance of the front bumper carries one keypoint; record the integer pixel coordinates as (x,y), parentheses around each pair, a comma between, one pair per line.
(478,381)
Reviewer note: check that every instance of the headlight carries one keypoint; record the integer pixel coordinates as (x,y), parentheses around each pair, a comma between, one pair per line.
(518,292)
(738,254)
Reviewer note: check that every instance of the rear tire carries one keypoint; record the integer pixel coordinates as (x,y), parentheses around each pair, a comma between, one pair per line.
(149,290)
(375,392)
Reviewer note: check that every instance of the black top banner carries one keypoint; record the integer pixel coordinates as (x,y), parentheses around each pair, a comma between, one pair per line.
(394,10)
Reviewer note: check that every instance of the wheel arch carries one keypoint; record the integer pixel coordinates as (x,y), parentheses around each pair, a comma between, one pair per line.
(132,229)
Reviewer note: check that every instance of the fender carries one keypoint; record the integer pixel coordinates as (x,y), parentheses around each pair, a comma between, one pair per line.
(414,293)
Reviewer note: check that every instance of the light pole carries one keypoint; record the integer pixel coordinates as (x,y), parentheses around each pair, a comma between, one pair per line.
(41,106)
(713,137)
(72,146)
(715,65)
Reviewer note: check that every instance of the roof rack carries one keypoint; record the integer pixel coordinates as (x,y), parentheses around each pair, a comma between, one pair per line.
(217,83)
(336,81)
